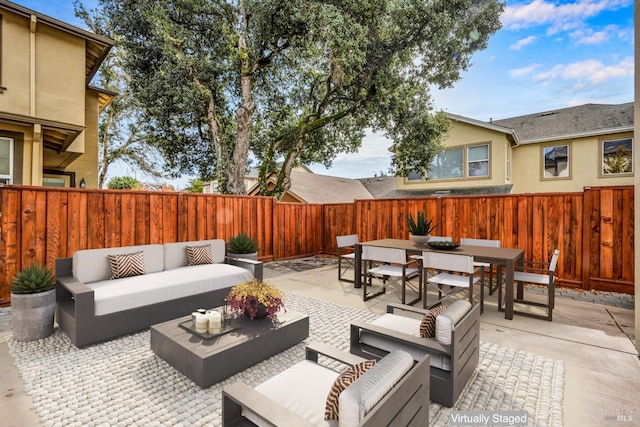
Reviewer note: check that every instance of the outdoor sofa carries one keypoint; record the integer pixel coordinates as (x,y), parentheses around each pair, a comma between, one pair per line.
(91,307)
(393,392)
(454,351)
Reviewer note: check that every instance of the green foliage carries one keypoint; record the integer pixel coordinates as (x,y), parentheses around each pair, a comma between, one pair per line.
(195,186)
(33,279)
(300,80)
(242,244)
(422,226)
(123,183)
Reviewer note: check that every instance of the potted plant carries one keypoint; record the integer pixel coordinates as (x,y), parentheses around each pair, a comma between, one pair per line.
(419,229)
(242,246)
(255,299)
(33,303)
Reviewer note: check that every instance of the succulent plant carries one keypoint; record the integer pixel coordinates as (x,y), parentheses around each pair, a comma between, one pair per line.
(242,244)
(33,279)
(422,226)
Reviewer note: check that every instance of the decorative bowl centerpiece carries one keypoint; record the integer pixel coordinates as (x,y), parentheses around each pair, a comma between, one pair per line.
(444,246)
(255,299)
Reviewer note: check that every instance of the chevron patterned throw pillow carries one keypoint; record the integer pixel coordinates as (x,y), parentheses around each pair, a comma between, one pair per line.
(126,265)
(343,381)
(199,255)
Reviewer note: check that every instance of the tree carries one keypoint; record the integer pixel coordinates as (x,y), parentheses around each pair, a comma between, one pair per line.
(123,183)
(297,81)
(121,133)
(195,186)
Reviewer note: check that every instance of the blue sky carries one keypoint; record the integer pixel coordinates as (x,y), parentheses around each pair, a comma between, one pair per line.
(548,55)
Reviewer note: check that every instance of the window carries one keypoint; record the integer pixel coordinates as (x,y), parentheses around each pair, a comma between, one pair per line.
(447,164)
(617,157)
(414,176)
(478,160)
(6,160)
(556,161)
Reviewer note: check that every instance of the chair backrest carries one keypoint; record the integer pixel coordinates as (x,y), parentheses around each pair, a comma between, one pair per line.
(440,239)
(349,240)
(481,242)
(390,255)
(554,260)
(449,262)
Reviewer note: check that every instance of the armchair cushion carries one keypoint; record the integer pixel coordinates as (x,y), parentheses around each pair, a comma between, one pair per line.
(344,380)
(301,389)
(365,392)
(448,319)
(428,324)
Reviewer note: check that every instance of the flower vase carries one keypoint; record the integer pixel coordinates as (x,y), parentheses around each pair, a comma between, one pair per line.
(259,310)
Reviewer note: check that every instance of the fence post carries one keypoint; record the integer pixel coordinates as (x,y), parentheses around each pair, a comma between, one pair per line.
(587,235)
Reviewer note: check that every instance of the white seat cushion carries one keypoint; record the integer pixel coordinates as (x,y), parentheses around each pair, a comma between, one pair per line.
(393,271)
(447,320)
(303,389)
(111,296)
(360,397)
(408,326)
(449,279)
(541,279)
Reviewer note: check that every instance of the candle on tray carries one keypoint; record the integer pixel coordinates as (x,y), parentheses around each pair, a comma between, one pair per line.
(215,321)
(202,323)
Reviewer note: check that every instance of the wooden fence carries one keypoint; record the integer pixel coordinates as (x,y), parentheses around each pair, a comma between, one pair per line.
(594,229)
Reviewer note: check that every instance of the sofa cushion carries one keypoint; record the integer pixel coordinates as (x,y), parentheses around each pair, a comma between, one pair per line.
(447,320)
(111,296)
(407,325)
(175,254)
(302,389)
(428,324)
(92,265)
(343,381)
(198,255)
(357,400)
(126,265)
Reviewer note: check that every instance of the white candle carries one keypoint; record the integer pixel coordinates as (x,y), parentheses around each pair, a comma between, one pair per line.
(215,322)
(201,323)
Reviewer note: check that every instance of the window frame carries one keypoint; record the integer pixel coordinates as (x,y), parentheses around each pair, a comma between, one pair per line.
(543,163)
(468,162)
(12,142)
(601,172)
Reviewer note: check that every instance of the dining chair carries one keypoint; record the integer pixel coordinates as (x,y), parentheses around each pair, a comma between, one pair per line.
(441,239)
(485,265)
(455,271)
(392,265)
(538,273)
(346,243)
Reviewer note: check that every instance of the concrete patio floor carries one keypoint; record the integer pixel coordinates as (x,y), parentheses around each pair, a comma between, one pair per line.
(595,341)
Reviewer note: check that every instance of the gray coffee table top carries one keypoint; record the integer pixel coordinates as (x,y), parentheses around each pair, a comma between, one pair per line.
(207,361)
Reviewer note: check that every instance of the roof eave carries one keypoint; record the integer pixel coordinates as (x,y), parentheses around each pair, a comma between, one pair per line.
(490,126)
(606,131)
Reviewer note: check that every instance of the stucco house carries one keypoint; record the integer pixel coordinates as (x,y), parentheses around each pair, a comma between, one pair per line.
(48,108)
(553,151)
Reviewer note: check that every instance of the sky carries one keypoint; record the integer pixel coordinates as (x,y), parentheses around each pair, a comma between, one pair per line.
(547,55)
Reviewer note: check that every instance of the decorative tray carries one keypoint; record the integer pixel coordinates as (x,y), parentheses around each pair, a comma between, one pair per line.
(444,246)
(228,326)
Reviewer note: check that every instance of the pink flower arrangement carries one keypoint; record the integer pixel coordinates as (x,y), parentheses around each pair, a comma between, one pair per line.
(246,297)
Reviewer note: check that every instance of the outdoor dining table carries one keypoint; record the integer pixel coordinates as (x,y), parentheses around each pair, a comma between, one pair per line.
(507,258)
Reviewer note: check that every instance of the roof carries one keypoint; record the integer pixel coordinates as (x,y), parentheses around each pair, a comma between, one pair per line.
(573,122)
(379,186)
(312,188)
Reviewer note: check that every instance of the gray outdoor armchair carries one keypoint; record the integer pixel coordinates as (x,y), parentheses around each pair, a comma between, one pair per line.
(395,391)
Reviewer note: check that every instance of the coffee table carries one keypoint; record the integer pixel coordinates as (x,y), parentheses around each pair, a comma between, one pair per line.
(208,361)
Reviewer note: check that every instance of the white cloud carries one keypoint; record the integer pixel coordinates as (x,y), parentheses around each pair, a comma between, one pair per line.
(522,42)
(588,36)
(519,72)
(560,17)
(589,70)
